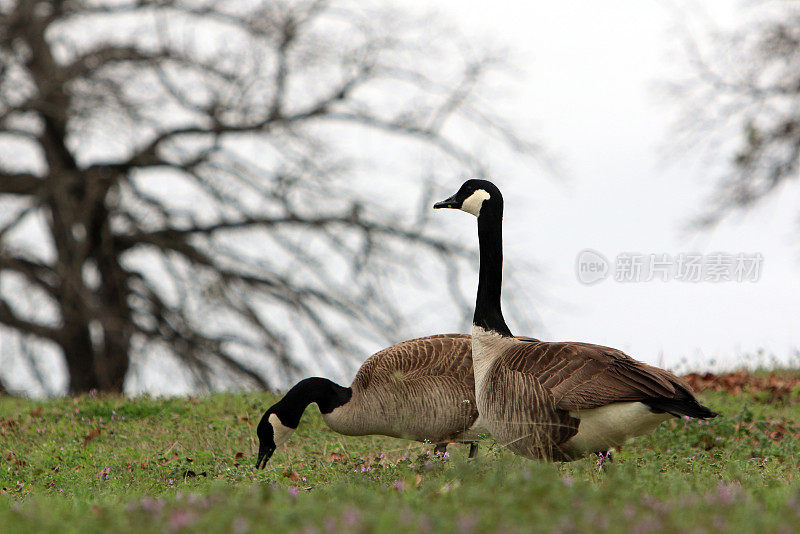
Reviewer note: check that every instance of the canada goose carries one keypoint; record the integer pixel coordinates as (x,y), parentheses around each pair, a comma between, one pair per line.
(555,401)
(421,389)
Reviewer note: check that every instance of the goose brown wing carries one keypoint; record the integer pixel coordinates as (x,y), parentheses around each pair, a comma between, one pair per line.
(535,428)
(582,376)
(444,355)
(422,388)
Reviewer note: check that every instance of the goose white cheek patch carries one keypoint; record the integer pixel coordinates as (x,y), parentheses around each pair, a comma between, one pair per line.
(280,433)
(474,202)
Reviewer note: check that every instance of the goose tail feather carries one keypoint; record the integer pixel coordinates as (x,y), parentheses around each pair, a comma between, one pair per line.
(676,406)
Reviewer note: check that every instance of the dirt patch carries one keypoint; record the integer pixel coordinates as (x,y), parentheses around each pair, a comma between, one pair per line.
(771,386)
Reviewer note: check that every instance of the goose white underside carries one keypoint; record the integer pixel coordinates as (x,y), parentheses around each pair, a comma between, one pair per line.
(606,427)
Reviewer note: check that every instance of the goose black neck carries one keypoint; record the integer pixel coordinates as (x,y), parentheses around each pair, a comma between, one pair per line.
(488,312)
(326,394)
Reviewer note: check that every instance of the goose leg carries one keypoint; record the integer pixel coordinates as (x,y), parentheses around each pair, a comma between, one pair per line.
(473,449)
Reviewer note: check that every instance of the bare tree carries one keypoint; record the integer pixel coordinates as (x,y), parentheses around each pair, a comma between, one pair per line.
(177,178)
(742,99)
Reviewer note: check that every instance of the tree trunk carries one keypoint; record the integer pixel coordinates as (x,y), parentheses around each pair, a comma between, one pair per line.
(115,313)
(99,332)
(79,354)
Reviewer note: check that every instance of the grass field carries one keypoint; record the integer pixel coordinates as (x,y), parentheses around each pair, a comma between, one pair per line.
(112,464)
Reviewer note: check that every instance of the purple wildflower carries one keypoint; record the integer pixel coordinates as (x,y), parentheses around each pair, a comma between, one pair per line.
(180,518)
(727,493)
(350,517)
(467,523)
(151,505)
(602,458)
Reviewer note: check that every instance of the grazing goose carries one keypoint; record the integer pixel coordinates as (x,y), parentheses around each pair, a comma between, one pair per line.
(421,389)
(555,401)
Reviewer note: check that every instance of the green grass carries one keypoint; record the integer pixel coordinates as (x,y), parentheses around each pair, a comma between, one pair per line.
(187,465)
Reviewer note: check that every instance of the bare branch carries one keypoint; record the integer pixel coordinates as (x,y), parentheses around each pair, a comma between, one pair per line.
(19,184)
(36,273)
(10,319)
(107,55)
(742,102)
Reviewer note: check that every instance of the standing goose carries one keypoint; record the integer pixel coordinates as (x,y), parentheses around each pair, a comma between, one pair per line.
(422,389)
(555,401)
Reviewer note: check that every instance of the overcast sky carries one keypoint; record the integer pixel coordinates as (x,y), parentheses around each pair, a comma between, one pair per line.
(589,92)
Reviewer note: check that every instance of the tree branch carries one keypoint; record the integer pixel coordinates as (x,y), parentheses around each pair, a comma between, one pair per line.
(36,273)
(99,58)
(20,184)
(10,319)
(172,237)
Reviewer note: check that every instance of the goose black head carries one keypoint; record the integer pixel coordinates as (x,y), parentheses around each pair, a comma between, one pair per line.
(272,433)
(475,197)
(283,417)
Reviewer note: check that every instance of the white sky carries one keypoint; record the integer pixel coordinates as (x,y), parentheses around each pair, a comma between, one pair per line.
(588,92)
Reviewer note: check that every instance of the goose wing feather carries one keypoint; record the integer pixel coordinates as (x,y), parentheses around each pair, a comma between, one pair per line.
(533,429)
(444,355)
(582,376)
(421,388)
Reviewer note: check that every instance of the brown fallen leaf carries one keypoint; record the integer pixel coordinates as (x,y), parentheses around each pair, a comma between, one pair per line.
(771,388)
(332,457)
(95,433)
(239,455)
(37,412)
(294,476)
(418,481)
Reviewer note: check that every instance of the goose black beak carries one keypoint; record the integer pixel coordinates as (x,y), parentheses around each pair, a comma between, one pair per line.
(448,203)
(264,454)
